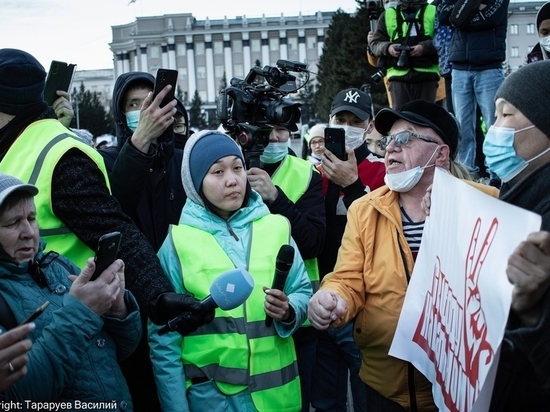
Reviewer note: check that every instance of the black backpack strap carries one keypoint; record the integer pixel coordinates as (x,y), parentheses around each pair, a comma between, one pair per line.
(6,314)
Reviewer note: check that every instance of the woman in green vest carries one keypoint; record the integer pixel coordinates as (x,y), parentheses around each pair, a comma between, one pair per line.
(236,362)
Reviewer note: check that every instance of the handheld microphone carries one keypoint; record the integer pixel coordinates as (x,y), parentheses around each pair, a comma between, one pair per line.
(283,263)
(229,290)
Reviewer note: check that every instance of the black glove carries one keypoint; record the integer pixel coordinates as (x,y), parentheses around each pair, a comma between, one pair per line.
(189,312)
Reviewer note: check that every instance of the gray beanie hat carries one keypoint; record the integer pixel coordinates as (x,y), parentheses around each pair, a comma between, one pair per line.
(528,89)
(10,184)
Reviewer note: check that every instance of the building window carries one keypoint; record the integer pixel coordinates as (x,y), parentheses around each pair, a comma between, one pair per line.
(238,70)
(201,72)
(515,51)
(237,46)
(181,49)
(218,47)
(182,72)
(531,28)
(255,45)
(514,29)
(274,44)
(155,52)
(311,42)
(218,70)
(199,48)
(292,43)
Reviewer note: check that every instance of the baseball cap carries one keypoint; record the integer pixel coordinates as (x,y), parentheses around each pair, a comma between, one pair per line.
(352,100)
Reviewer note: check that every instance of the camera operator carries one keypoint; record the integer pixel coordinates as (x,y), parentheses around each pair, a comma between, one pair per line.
(291,187)
(403,43)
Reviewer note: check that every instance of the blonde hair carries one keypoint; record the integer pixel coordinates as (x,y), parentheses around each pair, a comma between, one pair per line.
(457,169)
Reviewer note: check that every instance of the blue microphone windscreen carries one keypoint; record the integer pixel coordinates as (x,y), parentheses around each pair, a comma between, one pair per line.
(232,288)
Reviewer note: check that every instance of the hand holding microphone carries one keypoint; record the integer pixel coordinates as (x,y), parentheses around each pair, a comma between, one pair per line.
(229,290)
(283,263)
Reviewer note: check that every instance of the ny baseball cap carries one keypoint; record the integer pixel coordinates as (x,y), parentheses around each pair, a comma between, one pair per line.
(352,100)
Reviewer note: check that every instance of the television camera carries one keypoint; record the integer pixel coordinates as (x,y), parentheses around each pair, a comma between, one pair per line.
(249,107)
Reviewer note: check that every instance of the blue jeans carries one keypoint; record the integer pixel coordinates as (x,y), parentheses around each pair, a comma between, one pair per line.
(471,88)
(337,354)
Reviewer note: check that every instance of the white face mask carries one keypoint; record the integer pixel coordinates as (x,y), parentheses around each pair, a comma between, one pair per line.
(354,135)
(402,182)
(545,43)
(390,4)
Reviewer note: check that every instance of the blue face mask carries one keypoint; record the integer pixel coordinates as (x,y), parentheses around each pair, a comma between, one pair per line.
(274,152)
(132,119)
(500,154)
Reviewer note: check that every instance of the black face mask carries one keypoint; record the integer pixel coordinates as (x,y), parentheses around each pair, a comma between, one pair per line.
(410,6)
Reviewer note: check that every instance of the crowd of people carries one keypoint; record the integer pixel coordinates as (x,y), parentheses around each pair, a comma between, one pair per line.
(189,208)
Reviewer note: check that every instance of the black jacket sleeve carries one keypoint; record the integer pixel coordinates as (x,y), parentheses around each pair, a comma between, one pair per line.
(82,201)
(306,216)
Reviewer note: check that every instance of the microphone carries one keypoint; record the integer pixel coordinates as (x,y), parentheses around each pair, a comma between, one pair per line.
(283,263)
(229,290)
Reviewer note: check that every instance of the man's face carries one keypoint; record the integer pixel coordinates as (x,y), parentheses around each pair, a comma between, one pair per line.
(348,118)
(179,124)
(279,134)
(134,98)
(416,152)
(544,28)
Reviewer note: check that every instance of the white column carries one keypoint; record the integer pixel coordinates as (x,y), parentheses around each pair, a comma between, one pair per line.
(125,62)
(210,78)
(136,61)
(164,48)
(144,64)
(265,48)
(171,53)
(228,59)
(119,67)
(320,42)
(192,86)
(247,59)
(302,56)
(283,46)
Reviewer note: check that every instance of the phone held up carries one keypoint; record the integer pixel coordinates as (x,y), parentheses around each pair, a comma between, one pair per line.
(335,141)
(36,313)
(163,79)
(59,77)
(106,254)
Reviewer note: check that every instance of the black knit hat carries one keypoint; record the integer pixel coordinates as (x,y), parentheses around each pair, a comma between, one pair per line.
(528,89)
(422,113)
(22,81)
(543,14)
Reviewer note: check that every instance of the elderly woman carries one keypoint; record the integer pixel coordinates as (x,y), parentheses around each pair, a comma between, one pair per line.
(87,327)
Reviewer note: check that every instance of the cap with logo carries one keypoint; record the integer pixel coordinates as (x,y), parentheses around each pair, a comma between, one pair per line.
(352,100)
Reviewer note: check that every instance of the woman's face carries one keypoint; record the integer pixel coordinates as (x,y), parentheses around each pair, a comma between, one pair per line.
(19,234)
(225,185)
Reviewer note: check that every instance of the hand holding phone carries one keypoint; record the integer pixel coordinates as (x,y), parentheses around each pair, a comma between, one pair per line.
(335,141)
(163,79)
(59,77)
(106,254)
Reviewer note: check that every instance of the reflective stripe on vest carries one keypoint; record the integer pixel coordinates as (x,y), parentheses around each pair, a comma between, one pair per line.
(428,25)
(236,349)
(293,176)
(32,158)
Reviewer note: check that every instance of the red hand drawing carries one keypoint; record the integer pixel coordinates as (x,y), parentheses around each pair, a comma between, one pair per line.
(475,325)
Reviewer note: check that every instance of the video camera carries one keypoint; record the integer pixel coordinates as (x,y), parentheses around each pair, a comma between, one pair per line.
(249,107)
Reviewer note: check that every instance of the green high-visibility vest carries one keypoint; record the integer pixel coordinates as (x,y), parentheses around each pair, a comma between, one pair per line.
(237,350)
(32,159)
(293,177)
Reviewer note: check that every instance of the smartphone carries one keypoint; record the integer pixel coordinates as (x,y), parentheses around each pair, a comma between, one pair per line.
(59,77)
(36,313)
(106,254)
(164,78)
(335,141)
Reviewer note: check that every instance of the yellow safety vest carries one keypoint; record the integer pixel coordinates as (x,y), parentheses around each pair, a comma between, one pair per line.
(32,158)
(293,177)
(237,350)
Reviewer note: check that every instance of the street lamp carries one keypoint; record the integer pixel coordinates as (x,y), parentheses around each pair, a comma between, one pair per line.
(76,100)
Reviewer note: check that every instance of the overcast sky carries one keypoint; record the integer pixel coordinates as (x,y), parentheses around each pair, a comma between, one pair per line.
(79,31)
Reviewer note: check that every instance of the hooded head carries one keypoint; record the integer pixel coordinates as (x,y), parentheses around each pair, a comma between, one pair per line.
(22,81)
(202,150)
(181,122)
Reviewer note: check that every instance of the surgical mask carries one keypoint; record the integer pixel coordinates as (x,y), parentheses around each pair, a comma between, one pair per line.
(354,135)
(545,43)
(390,4)
(500,154)
(132,119)
(274,152)
(404,181)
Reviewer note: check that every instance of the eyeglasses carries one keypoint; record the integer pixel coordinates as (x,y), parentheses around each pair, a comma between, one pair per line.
(180,127)
(403,138)
(318,142)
